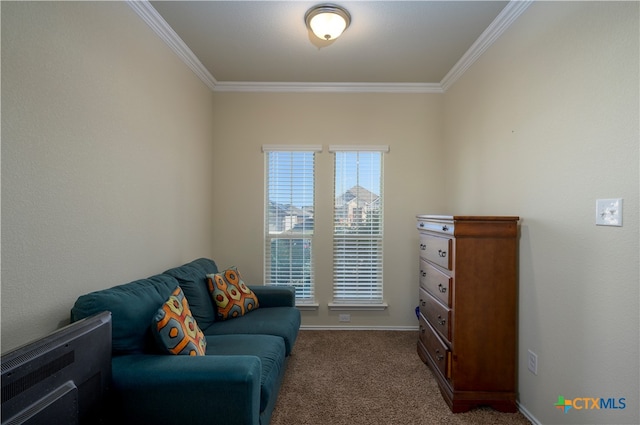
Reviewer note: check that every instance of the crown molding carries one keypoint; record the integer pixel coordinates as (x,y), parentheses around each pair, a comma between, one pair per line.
(505,18)
(499,25)
(150,15)
(230,86)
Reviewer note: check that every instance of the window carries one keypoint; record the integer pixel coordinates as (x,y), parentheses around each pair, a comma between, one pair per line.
(357,225)
(289,212)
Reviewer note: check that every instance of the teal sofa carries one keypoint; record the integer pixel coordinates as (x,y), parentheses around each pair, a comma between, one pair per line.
(236,382)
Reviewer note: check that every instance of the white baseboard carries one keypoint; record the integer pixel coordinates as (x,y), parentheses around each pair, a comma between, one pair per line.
(357,328)
(528,414)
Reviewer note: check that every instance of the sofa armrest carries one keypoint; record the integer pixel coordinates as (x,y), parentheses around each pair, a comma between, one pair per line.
(187,390)
(275,296)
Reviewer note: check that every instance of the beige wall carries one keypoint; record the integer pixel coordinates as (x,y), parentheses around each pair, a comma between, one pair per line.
(409,123)
(106,154)
(545,123)
(109,175)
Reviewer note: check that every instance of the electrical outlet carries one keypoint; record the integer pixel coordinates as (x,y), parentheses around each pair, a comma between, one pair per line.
(345,318)
(532,362)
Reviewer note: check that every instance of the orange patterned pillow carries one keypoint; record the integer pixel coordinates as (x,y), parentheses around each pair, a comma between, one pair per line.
(232,297)
(175,328)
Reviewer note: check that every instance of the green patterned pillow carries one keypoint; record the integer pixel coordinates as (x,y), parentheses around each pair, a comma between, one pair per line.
(175,329)
(232,297)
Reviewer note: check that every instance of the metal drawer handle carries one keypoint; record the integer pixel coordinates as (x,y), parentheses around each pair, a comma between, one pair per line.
(439,356)
(422,247)
(445,228)
(423,273)
(442,253)
(421,329)
(423,303)
(441,320)
(442,288)
(421,224)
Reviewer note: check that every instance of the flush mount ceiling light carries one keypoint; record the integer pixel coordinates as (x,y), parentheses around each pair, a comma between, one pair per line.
(327,21)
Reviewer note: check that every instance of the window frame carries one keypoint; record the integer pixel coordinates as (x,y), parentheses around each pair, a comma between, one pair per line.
(305,296)
(352,302)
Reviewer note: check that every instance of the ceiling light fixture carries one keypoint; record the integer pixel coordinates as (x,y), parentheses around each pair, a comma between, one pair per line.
(327,21)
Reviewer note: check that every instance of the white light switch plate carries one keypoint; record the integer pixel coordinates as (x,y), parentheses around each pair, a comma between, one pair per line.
(609,212)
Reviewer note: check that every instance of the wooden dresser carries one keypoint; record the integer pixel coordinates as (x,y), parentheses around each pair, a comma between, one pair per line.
(468,308)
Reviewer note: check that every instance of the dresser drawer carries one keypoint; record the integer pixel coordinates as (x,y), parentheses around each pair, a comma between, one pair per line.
(438,315)
(436,349)
(436,250)
(435,282)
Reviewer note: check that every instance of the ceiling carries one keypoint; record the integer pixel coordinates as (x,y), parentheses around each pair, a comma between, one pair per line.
(416,44)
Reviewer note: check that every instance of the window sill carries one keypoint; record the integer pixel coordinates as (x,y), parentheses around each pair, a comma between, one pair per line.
(358,307)
(308,306)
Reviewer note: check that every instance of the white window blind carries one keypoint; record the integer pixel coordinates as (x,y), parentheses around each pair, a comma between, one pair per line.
(358,224)
(289,218)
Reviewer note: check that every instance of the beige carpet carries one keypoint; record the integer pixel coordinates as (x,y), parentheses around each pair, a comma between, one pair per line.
(367,377)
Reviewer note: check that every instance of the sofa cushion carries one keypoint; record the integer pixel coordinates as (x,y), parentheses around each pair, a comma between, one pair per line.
(175,329)
(232,297)
(279,321)
(132,306)
(192,278)
(271,351)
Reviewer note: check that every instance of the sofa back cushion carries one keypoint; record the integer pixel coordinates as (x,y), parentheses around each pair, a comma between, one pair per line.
(132,306)
(192,278)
